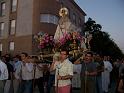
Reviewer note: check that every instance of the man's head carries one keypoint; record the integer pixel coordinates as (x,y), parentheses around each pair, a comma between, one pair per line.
(7,57)
(24,56)
(64,54)
(17,58)
(97,58)
(88,57)
(105,58)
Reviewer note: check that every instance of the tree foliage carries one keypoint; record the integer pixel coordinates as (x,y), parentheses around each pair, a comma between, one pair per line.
(101,42)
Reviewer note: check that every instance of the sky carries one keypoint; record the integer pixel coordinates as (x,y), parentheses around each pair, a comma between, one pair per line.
(109,14)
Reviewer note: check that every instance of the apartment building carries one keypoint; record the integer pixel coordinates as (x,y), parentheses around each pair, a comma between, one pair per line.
(20,20)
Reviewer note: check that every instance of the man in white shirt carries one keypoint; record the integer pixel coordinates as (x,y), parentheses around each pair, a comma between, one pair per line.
(64,74)
(38,75)
(26,74)
(106,74)
(76,81)
(3,75)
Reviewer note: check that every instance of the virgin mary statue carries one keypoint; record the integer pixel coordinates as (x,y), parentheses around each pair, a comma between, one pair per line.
(65,26)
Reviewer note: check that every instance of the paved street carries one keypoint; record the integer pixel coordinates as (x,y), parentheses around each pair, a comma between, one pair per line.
(111,90)
(52,91)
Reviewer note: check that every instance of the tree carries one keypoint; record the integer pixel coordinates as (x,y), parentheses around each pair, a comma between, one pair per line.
(91,26)
(101,42)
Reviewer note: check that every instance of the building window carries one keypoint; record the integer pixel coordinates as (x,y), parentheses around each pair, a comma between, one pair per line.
(1,46)
(3,6)
(74,18)
(12,27)
(11,46)
(79,22)
(14,5)
(49,18)
(1,28)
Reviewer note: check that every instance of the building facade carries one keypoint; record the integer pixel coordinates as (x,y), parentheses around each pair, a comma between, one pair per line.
(20,20)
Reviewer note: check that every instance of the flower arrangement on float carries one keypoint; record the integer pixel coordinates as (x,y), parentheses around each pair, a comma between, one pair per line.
(71,40)
(45,41)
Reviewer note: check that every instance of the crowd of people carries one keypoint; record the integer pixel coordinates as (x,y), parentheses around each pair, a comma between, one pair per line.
(91,73)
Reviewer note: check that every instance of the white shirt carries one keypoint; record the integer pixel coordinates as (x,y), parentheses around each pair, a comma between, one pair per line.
(38,71)
(77,68)
(76,80)
(3,71)
(108,66)
(64,68)
(27,71)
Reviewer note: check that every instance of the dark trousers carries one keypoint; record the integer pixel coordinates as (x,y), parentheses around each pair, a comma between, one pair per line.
(26,86)
(2,84)
(99,84)
(50,83)
(39,82)
(88,86)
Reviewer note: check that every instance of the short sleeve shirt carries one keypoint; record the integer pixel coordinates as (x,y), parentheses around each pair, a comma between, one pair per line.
(63,69)
(90,67)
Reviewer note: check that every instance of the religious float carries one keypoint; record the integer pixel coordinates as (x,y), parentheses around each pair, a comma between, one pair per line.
(67,35)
